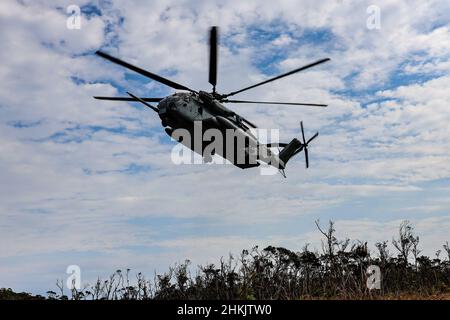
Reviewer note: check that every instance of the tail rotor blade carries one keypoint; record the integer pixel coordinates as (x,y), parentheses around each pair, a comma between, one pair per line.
(312,138)
(306,157)
(303,132)
(213,40)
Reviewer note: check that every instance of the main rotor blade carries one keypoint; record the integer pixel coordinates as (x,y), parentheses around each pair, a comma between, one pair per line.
(213,39)
(278,77)
(148,74)
(128,99)
(281,103)
(143,102)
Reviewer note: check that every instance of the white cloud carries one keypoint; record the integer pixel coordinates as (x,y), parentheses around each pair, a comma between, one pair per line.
(282,40)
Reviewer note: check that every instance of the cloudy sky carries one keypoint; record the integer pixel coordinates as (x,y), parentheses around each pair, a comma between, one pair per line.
(91,183)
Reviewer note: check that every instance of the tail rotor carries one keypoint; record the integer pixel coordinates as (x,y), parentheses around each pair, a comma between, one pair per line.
(305,144)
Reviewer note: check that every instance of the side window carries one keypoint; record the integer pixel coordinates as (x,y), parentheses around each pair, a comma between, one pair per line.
(200,110)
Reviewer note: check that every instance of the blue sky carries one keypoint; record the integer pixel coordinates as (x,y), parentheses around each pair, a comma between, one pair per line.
(91,183)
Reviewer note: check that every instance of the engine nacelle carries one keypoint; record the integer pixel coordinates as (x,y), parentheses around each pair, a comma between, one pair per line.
(214,105)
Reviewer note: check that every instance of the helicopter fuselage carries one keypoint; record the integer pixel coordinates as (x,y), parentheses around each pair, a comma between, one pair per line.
(186,110)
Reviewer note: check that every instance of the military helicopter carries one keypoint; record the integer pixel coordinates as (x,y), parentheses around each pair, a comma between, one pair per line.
(186,110)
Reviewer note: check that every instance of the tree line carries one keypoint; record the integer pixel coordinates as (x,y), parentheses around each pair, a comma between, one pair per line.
(338,271)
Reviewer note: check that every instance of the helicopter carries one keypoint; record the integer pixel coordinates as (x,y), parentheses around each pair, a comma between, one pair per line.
(193,111)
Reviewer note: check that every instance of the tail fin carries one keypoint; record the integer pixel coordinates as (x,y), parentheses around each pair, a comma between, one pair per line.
(289,151)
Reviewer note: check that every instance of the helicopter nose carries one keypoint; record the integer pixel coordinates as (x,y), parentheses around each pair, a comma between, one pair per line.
(163,107)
